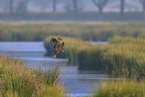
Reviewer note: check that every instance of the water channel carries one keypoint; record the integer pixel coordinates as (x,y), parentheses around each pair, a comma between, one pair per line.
(78,83)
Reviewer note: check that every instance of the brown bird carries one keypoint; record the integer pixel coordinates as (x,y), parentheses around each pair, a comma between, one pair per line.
(58,45)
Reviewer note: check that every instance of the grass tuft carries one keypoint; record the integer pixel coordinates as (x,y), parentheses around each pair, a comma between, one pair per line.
(19,80)
(121,88)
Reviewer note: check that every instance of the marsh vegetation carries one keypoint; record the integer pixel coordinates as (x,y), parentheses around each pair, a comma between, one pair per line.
(121,88)
(87,31)
(123,56)
(17,79)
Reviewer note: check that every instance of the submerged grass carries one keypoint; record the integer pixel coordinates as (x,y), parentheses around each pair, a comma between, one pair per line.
(19,80)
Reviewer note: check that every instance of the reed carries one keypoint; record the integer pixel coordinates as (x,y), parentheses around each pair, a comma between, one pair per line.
(92,58)
(19,80)
(38,31)
(122,56)
(125,40)
(121,88)
(54,91)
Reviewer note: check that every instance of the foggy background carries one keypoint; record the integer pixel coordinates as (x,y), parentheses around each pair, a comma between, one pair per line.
(88,9)
(67,5)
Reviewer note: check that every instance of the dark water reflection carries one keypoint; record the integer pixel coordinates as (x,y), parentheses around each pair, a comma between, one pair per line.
(32,53)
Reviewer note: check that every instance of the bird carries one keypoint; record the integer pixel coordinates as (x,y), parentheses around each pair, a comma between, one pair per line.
(58,45)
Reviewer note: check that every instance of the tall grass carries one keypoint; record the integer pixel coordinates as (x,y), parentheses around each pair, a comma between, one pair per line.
(92,58)
(121,88)
(122,56)
(38,31)
(54,91)
(19,80)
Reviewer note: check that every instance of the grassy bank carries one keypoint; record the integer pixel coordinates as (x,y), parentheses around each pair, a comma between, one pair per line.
(19,80)
(122,56)
(38,31)
(122,88)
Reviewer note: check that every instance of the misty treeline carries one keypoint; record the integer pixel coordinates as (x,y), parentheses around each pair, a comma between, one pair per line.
(12,6)
(75,6)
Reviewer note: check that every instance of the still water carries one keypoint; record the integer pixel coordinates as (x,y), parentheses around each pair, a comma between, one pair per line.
(77,82)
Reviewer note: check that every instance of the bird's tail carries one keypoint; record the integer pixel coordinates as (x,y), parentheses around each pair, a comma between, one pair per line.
(54,56)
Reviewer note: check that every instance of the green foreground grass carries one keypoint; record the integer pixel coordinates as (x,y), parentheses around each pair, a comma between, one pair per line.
(121,88)
(19,80)
(38,31)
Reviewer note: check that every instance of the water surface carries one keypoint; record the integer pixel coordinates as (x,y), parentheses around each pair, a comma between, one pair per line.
(77,82)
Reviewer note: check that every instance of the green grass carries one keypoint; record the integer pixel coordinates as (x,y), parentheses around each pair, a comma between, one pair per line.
(92,58)
(122,56)
(54,91)
(38,31)
(121,88)
(19,80)
(121,40)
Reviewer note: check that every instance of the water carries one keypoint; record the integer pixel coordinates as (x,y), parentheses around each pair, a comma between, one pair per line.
(79,83)
(97,42)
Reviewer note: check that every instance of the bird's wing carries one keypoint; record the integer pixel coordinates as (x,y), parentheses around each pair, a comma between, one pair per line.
(62,45)
(54,41)
(60,42)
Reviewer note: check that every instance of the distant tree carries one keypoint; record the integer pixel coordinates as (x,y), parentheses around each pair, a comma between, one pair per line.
(67,6)
(100,4)
(54,2)
(11,6)
(122,2)
(43,4)
(75,6)
(22,6)
(143,4)
(4,5)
